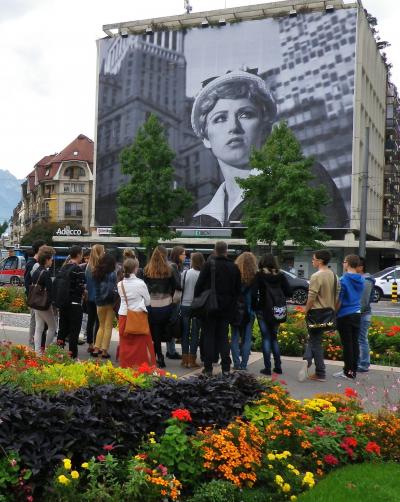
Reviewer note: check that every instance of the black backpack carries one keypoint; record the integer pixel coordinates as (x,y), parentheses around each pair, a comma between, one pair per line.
(276,302)
(242,316)
(62,287)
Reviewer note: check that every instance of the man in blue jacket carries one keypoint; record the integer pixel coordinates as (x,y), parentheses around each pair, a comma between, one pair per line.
(366,299)
(349,315)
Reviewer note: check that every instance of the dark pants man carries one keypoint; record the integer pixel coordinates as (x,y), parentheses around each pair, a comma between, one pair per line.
(70,326)
(216,341)
(349,328)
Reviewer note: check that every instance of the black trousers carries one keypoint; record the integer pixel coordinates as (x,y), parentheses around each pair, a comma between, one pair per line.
(215,341)
(70,326)
(92,322)
(158,322)
(349,328)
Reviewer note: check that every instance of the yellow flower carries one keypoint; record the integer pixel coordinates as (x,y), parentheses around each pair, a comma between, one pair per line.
(290,466)
(85,465)
(286,454)
(152,433)
(67,463)
(270,466)
(293,497)
(286,488)
(74,474)
(63,480)
(152,440)
(271,456)
(278,480)
(296,472)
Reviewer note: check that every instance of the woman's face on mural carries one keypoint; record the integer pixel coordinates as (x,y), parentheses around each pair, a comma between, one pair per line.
(233,126)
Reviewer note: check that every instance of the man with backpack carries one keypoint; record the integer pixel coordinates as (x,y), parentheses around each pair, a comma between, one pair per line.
(225,276)
(30,267)
(68,289)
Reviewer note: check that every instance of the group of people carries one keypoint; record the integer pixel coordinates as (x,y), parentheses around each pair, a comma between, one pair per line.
(246,290)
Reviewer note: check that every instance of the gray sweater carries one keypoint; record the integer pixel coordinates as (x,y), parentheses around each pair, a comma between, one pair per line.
(190,278)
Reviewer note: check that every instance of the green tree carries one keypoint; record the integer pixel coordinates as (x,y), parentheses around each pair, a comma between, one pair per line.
(149,203)
(46,231)
(279,203)
(3,227)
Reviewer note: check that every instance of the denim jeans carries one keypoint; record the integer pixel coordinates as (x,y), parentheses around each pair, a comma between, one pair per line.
(269,333)
(241,344)
(171,346)
(364,360)
(190,332)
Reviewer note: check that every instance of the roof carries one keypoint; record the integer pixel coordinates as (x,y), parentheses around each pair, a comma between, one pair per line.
(81,148)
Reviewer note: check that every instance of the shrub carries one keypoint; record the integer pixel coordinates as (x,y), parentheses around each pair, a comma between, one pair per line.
(12,299)
(216,490)
(44,428)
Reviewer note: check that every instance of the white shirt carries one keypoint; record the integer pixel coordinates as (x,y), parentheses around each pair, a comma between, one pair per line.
(216,207)
(137,294)
(189,277)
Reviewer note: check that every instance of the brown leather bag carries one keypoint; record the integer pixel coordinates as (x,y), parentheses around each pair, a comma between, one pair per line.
(136,321)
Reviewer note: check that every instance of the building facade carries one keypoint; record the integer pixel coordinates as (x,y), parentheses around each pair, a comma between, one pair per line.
(58,189)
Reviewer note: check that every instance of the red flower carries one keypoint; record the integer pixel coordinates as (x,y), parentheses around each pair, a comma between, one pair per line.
(182,415)
(101,458)
(331,460)
(372,447)
(393,331)
(349,392)
(108,447)
(351,442)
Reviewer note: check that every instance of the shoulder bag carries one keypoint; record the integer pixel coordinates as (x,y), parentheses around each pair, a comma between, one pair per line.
(206,303)
(38,296)
(136,321)
(323,319)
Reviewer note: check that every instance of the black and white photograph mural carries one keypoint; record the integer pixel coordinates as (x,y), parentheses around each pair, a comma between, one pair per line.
(218,92)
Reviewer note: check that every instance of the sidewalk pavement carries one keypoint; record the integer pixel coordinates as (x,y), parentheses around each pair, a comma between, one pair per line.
(379,387)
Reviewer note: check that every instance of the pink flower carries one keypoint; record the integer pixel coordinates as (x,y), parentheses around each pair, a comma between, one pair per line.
(101,458)
(108,447)
(331,460)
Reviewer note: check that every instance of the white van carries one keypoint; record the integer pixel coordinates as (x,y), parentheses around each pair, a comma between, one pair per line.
(384,280)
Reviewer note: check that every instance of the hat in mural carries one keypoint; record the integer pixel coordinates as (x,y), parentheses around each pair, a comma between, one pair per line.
(256,84)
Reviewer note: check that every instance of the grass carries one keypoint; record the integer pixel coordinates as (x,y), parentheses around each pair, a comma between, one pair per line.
(358,483)
(387,321)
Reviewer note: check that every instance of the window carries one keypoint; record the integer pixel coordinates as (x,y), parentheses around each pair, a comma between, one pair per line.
(47,172)
(73,209)
(74,172)
(74,188)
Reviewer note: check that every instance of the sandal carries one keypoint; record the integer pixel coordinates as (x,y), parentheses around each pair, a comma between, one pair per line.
(105,356)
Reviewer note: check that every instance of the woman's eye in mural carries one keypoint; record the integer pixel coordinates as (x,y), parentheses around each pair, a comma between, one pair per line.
(219,118)
(248,114)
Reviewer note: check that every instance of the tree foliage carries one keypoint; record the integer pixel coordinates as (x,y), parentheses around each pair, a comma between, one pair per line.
(149,203)
(3,227)
(279,203)
(46,231)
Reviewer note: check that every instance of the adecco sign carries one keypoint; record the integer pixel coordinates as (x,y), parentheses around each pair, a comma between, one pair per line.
(68,231)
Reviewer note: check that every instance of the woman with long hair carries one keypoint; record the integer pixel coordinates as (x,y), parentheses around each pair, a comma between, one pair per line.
(242,327)
(133,349)
(42,277)
(176,259)
(269,302)
(190,325)
(96,253)
(105,279)
(161,283)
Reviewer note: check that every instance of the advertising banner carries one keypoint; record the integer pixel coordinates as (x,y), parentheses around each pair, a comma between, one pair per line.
(218,92)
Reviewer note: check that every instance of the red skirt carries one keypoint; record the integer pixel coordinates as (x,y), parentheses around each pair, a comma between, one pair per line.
(134,350)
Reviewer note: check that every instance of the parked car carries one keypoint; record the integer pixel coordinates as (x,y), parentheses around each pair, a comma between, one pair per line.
(299,288)
(12,270)
(384,280)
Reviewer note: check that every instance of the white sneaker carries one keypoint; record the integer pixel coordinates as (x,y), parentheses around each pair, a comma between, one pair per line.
(303,373)
(340,374)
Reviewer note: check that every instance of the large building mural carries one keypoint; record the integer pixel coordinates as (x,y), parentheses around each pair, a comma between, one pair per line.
(218,92)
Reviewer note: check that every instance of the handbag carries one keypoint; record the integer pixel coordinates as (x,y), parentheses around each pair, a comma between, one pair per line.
(322,319)
(137,322)
(206,303)
(38,296)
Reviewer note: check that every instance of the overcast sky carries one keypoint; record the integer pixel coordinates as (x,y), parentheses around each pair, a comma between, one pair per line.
(48,56)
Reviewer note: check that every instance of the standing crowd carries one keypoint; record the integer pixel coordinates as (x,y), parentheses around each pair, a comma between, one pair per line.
(211,306)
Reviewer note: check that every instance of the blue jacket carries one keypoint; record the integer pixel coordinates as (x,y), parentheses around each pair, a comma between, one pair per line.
(351,290)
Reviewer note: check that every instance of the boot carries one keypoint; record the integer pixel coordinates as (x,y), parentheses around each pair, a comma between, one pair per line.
(193,362)
(161,361)
(185,361)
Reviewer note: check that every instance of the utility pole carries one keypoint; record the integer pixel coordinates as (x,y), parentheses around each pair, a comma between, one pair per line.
(364,198)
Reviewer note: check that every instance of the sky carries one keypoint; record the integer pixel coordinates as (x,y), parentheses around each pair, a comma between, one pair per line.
(48,55)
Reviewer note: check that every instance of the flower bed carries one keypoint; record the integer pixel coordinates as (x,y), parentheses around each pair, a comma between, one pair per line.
(384,340)
(13,299)
(158,438)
